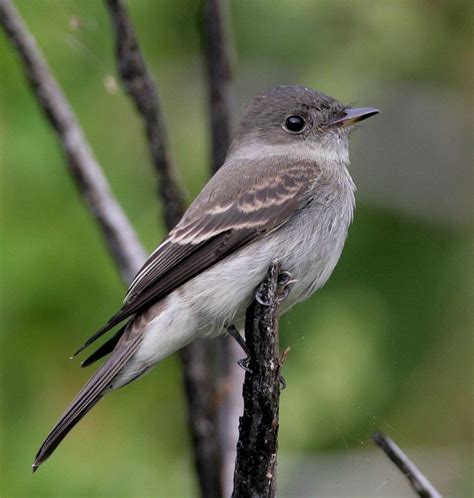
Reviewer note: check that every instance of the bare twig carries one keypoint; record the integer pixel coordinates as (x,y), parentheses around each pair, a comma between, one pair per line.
(94,189)
(255,467)
(218,54)
(229,406)
(141,88)
(199,381)
(418,481)
(197,357)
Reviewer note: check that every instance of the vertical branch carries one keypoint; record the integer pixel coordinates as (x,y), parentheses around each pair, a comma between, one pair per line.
(199,382)
(92,185)
(197,358)
(418,481)
(142,90)
(255,467)
(218,53)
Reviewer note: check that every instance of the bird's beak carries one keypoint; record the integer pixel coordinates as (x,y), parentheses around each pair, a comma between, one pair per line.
(353,116)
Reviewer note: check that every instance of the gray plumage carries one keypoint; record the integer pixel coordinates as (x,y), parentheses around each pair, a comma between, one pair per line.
(283,193)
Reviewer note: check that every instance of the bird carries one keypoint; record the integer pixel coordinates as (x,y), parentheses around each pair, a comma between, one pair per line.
(284,192)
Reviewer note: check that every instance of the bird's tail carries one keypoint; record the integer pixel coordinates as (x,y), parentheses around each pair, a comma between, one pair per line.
(89,395)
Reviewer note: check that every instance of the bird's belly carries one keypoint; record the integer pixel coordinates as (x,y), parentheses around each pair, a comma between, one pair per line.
(308,248)
(311,259)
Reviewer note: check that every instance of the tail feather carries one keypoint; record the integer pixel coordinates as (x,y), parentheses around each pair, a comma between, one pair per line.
(89,395)
(115,320)
(103,350)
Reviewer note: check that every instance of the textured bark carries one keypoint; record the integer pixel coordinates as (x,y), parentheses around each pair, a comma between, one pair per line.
(255,468)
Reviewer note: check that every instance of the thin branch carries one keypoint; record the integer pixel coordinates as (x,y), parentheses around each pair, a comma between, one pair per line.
(418,481)
(255,467)
(94,189)
(142,90)
(197,357)
(218,53)
(199,384)
(229,406)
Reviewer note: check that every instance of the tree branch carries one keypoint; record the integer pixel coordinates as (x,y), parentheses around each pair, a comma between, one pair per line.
(255,468)
(197,358)
(93,187)
(418,481)
(142,90)
(218,52)
(199,382)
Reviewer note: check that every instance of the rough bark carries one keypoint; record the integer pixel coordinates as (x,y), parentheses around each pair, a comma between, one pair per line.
(255,468)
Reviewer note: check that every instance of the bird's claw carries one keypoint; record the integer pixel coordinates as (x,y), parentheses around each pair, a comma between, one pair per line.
(283,289)
(261,300)
(284,278)
(284,281)
(283,294)
(244,364)
(282,382)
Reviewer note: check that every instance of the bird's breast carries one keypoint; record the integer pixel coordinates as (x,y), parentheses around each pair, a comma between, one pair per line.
(308,246)
(312,242)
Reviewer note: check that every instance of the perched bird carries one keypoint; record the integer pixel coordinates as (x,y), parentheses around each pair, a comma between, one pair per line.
(283,193)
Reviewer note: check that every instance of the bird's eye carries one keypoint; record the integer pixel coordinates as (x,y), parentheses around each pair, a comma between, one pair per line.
(294,124)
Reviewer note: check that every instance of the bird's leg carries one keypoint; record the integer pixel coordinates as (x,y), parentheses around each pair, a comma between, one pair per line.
(233,332)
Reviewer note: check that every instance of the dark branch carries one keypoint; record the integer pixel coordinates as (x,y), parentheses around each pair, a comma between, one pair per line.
(218,57)
(142,90)
(199,384)
(255,468)
(418,481)
(198,357)
(199,381)
(218,51)
(93,187)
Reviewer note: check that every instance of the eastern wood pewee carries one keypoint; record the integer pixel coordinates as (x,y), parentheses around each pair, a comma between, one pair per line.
(284,192)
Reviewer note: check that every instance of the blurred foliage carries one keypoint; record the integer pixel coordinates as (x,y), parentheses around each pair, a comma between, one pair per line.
(386,344)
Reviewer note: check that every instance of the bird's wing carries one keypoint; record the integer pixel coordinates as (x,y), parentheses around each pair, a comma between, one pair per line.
(210,231)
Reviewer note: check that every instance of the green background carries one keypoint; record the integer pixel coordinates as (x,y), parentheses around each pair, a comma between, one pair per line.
(387,344)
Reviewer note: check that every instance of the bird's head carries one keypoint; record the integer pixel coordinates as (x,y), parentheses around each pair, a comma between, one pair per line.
(301,118)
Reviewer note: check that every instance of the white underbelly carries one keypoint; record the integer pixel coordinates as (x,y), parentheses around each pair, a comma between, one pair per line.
(308,248)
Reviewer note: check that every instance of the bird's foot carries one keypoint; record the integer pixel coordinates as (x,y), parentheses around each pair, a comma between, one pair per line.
(284,281)
(283,289)
(244,364)
(261,299)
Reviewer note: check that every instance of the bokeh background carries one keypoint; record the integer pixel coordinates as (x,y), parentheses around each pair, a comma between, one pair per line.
(387,344)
